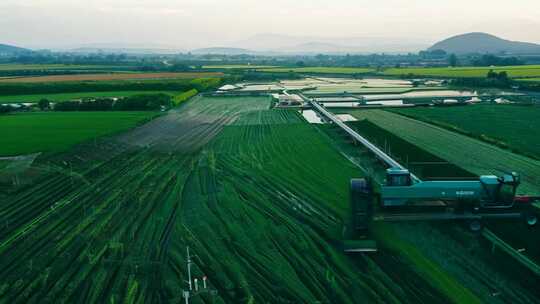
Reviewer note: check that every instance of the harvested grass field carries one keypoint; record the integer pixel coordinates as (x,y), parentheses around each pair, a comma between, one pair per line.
(320,70)
(510,126)
(107,77)
(465,72)
(26,133)
(33,98)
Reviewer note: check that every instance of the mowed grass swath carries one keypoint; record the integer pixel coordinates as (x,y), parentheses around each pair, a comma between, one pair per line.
(466,72)
(25,133)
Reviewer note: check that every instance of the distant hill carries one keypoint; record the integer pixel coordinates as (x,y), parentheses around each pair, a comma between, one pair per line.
(277,43)
(135,51)
(9,50)
(484,43)
(222,51)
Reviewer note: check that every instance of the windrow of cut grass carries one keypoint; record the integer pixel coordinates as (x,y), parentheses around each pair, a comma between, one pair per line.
(512,127)
(466,72)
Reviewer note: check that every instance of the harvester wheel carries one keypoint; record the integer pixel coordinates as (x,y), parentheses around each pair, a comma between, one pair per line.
(475,225)
(361,203)
(531,219)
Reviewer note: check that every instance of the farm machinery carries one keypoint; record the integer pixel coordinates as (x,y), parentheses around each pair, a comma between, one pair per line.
(404,197)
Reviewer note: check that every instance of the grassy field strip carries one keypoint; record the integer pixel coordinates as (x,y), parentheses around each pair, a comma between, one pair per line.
(183,97)
(237,66)
(534,79)
(497,125)
(474,155)
(511,251)
(70,96)
(319,70)
(513,71)
(109,77)
(31,67)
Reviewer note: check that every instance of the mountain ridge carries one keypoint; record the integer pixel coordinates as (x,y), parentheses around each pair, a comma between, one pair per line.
(479,42)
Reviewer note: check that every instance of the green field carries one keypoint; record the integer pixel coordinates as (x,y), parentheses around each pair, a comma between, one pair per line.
(320,70)
(466,72)
(509,126)
(262,223)
(534,79)
(70,96)
(225,176)
(32,67)
(237,66)
(26,133)
(260,197)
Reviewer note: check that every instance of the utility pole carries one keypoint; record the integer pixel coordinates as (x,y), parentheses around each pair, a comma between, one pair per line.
(188,294)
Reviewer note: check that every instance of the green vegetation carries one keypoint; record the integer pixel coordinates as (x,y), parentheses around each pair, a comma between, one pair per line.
(166,85)
(142,102)
(70,96)
(320,70)
(534,79)
(30,67)
(261,220)
(465,72)
(511,127)
(237,66)
(183,97)
(26,133)
(438,276)
(258,195)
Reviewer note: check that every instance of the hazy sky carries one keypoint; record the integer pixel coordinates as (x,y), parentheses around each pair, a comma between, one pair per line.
(197,23)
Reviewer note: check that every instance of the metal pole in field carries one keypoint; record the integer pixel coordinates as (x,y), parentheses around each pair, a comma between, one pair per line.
(186,296)
(189,269)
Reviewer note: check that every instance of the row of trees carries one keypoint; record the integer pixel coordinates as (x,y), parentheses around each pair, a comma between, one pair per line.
(143,102)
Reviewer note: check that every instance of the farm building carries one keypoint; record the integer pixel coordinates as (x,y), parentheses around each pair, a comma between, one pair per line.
(286,100)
